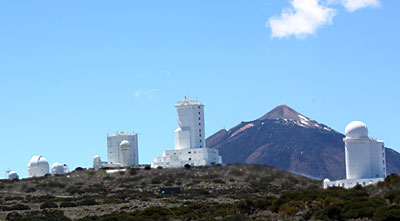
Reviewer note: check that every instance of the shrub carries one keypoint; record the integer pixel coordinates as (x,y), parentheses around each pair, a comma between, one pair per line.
(391,195)
(291,208)
(331,212)
(30,190)
(159,167)
(79,169)
(11,198)
(147,167)
(48,205)
(156,180)
(362,207)
(236,173)
(13,216)
(88,202)
(221,181)
(74,189)
(187,166)
(387,213)
(19,207)
(56,185)
(108,178)
(132,171)
(156,213)
(246,206)
(67,204)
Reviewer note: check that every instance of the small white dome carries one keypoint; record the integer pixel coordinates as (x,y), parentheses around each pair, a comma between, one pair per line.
(326,180)
(57,165)
(12,175)
(96,157)
(356,129)
(57,168)
(124,143)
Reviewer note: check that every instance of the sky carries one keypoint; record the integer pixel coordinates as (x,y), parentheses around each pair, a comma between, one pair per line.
(72,72)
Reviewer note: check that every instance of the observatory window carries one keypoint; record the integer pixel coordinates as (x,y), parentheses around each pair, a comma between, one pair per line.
(190,158)
(200,141)
(189,152)
(199,112)
(199,118)
(199,123)
(199,107)
(200,135)
(200,147)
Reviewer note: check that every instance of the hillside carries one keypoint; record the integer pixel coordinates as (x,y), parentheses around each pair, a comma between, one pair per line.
(85,193)
(286,139)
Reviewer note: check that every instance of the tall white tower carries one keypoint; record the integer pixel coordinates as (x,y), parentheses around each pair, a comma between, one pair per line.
(190,133)
(365,157)
(114,150)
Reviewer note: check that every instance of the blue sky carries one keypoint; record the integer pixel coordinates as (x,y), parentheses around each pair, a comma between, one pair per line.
(73,71)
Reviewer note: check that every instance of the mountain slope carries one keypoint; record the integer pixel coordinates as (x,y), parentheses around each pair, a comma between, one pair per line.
(286,139)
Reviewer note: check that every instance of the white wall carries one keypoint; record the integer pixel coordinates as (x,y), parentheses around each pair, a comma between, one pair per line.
(193,157)
(365,158)
(350,183)
(114,151)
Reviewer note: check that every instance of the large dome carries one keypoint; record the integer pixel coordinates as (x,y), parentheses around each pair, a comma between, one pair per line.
(356,130)
(37,160)
(38,166)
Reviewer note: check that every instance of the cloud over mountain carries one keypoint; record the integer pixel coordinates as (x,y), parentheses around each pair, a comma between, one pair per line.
(354,5)
(305,17)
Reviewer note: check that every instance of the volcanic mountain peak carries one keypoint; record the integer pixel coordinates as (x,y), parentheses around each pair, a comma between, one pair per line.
(287,113)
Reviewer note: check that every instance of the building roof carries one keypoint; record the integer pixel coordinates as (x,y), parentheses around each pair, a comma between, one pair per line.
(188,102)
(356,130)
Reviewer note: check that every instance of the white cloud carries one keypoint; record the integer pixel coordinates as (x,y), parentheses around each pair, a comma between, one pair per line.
(303,19)
(353,5)
(145,93)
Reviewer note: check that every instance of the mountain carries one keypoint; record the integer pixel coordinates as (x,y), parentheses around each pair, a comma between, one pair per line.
(286,139)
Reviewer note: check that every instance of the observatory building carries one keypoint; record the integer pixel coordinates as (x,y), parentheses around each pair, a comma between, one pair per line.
(59,169)
(365,158)
(122,146)
(38,166)
(12,175)
(190,143)
(122,149)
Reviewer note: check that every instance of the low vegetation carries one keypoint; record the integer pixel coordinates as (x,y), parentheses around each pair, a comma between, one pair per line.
(232,192)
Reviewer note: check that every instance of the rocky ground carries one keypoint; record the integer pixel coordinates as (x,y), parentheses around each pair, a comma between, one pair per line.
(232,192)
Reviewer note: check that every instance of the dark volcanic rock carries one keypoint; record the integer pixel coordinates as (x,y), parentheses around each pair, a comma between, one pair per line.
(285,139)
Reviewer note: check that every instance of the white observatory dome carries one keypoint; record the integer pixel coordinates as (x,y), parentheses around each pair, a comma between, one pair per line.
(125,144)
(96,157)
(12,175)
(356,129)
(57,169)
(38,166)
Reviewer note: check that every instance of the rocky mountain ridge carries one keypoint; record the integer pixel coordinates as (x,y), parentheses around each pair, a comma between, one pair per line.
(286,139)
